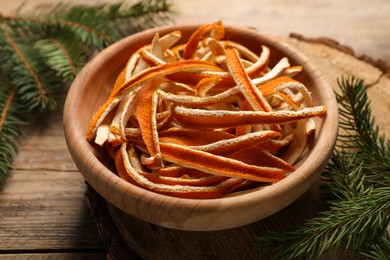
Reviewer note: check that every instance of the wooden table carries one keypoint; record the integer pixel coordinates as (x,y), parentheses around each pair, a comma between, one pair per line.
(43,210)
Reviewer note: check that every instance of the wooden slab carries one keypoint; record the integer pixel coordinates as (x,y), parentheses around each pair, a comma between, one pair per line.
(136,238)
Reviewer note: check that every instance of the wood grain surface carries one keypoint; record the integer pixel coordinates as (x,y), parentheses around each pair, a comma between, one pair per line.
(43,210)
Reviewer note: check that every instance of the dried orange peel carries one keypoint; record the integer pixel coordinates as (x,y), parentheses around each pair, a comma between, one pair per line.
(205,118)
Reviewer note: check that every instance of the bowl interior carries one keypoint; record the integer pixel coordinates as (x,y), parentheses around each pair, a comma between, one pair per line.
(91,89)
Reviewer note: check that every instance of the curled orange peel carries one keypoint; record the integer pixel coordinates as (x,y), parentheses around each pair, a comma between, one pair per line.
(204,118)
(145,112)
(215,29)
(225,118)
(128,172)
(244,83)
(215,164)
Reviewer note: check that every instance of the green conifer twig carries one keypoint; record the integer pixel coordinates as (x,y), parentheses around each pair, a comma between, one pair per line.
(42,51)
(12,118)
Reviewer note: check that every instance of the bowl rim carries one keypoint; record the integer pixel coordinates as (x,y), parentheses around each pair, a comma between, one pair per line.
(105,181)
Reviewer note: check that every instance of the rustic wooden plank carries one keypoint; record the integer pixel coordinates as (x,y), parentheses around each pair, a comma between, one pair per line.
(42,206)
(43,145)
(40,153)
(46,210)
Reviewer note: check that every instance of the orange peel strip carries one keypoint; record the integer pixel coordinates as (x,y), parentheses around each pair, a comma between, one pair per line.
(297,145)
(207,83)
(193,101)
(193,137)
(118,120)
(244,51)
(292,71)
(131,174)
(126,113)
(170,39)
(145,112)
(216,29)
(225,118)
(260,63)
(250,91)
(202,181)
(162,118)
(275,72)
(100,115)
(218,165)
(179,171)
(237,143)
(165,69)
(273,146)
(215,46)
(283,83)
(257,155)
(269,87)
(158,46)
(138,80)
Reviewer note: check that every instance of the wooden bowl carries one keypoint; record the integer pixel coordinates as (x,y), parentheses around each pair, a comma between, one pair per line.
(91,88)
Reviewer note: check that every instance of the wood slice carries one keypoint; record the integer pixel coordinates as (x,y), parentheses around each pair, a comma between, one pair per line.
(129,238)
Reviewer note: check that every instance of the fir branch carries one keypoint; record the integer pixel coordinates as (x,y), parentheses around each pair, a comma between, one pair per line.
(42,51)
(358,189)
(336,231)
(376,251)
(11,119)
(346,177)
(95,26)
(360,132)
(65,57)
(26,71)
(90,29)
(142,15)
